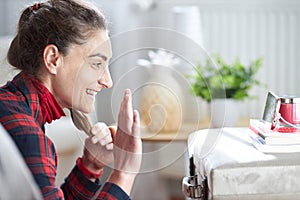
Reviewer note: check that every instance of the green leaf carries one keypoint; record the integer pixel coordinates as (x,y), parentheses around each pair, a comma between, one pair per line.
(233,80)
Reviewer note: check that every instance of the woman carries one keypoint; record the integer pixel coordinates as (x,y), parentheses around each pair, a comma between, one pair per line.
(62,49)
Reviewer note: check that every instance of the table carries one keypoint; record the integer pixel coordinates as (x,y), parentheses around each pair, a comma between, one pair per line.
(236,170)
(172,146)
(168,151)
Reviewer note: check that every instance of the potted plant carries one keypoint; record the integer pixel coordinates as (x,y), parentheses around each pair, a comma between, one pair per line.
(215,80)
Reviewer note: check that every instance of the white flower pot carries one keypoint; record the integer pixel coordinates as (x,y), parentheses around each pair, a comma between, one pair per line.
(224,112)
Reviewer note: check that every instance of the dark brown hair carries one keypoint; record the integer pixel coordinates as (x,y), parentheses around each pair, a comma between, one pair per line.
(59,22)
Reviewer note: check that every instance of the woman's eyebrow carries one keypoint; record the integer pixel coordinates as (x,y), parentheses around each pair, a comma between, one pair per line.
(99,55)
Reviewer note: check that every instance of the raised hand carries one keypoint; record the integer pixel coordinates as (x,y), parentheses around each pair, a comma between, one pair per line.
(127,145)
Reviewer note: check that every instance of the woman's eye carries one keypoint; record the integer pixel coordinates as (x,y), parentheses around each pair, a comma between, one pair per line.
(97,65)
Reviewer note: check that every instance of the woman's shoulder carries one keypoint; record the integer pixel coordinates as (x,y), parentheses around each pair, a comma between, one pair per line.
(12,90)
(11,99)
(17,94)
(10,93)
(14,105)
(18,119)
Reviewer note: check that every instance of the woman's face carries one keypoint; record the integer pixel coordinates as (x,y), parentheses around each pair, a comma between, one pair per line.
(84,72)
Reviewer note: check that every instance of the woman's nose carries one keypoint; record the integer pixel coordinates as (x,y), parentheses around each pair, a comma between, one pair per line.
(105,79)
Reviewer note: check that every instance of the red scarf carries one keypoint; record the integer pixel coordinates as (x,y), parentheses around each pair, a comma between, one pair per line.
(50,108)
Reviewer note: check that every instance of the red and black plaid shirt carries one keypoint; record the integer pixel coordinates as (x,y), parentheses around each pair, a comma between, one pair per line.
(21,116)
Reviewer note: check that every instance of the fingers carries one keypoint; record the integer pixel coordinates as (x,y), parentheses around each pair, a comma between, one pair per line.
(136,124)
(101,134)
(110,146)
(128,101)
(125,118)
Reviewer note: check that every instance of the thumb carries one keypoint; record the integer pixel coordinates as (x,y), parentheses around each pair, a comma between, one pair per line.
(113,131)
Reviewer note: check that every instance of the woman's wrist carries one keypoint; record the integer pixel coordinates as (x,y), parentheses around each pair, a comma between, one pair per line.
(91,165)
(88,168)
(123,179)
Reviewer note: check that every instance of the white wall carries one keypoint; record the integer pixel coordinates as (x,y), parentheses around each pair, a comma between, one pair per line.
(232,28)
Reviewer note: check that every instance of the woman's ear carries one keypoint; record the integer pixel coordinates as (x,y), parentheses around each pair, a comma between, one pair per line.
(53,59)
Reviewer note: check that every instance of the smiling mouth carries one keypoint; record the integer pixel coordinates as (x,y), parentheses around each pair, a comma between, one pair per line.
(91,92)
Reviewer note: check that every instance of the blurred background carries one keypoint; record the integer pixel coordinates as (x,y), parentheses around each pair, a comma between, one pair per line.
(247,29)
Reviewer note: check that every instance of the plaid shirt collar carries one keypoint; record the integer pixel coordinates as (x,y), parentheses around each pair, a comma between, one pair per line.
(26,83)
